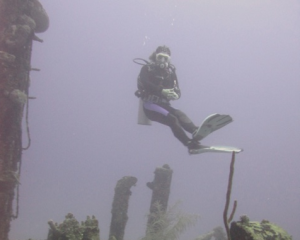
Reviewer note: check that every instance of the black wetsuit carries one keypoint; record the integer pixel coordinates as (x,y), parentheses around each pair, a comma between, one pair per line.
(157,107)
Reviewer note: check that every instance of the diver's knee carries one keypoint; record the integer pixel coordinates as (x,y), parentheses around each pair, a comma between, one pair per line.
(173,119)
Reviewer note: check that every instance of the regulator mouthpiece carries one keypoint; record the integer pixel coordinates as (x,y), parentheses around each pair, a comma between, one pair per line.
(163,65)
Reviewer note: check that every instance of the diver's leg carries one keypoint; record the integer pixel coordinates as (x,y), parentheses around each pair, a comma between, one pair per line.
(184,120)
(160,114)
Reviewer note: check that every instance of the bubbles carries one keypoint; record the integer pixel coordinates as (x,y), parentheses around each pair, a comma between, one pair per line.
(173,21)
(145,40)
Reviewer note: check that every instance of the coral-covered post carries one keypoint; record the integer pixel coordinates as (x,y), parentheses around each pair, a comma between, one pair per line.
(120,207)
(19,21)
(160,187)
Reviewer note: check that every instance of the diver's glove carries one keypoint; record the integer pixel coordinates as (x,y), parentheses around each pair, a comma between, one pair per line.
(170,94)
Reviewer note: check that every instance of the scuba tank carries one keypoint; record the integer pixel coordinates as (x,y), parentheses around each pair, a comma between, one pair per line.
(140,92)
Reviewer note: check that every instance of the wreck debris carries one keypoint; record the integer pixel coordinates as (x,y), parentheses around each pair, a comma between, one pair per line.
(160,193)
(120,207)
(163,224)
(19,20)
(264,230)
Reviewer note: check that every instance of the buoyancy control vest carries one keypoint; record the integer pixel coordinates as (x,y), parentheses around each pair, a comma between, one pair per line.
(140,92)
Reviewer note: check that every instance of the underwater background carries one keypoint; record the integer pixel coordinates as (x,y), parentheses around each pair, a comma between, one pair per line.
(232,57)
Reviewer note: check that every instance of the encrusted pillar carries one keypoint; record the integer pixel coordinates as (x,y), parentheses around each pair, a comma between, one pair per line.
(19,20)
(160,194)
(120,207)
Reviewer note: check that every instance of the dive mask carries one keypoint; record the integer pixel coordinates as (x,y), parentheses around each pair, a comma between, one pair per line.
(162,59)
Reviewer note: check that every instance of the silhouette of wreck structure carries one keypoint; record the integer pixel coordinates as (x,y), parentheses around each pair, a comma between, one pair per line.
(70,229)
(19,21)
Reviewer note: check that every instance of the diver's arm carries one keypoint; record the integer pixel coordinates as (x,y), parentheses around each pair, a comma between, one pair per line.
(176,85)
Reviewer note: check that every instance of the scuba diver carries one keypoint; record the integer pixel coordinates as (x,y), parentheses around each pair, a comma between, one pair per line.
(157,86)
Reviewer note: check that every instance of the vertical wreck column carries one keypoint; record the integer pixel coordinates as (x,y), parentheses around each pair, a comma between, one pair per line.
(120,207)
(19,20)
(160,193)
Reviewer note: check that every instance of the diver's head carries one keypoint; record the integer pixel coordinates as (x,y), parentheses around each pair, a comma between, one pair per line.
(161,57)
(163,49)
(162,60)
